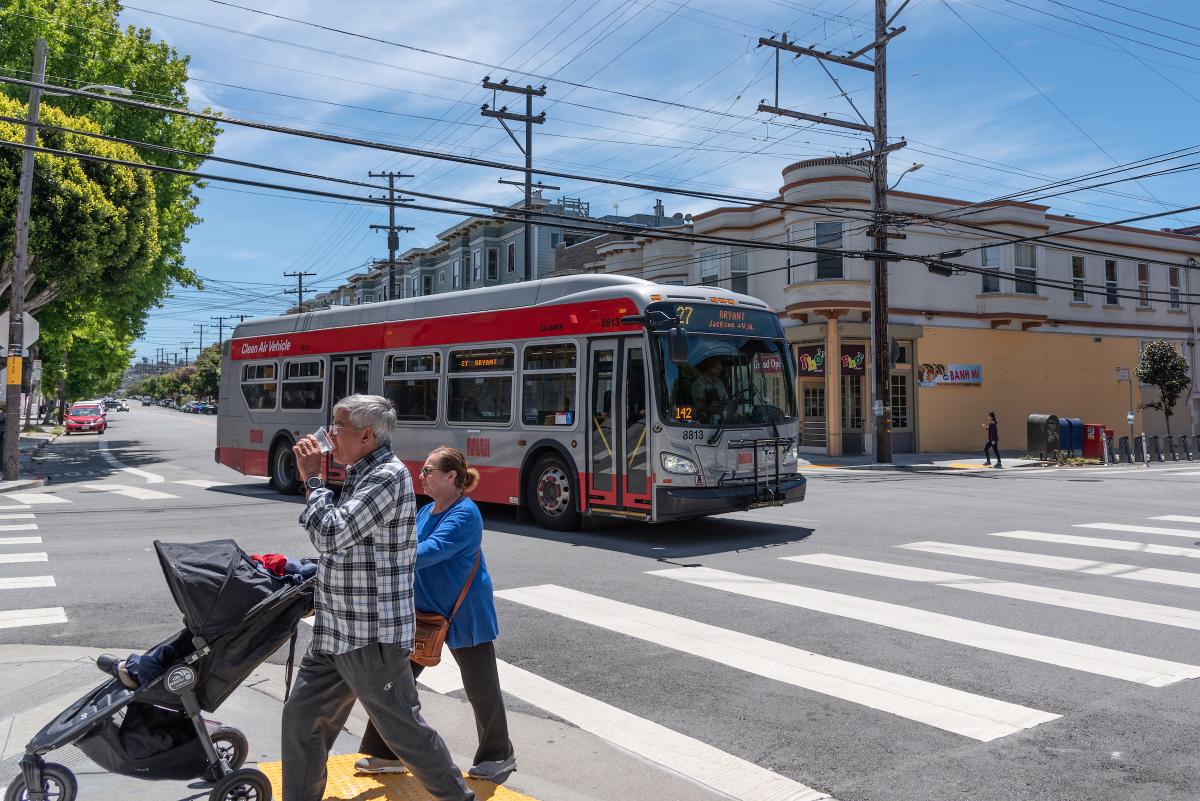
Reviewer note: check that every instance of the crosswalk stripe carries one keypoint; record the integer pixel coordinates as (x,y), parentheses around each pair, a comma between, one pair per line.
(20,540)
(1178,578)
(26,582)
(14,507)
(1086,602)
(964,713)
(20,516)
(19,527)
(137,493)
(1100,542)
(698,761)
(985,636)
(17,618)
(202,483)
(1192,473)
(35,498)
(1178,519)
(1167,532)
(16,558)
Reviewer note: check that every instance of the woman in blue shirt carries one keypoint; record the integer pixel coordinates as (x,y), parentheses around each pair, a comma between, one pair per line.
(449,536)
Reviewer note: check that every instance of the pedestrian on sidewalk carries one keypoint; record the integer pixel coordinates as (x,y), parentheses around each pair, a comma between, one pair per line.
(363,633)
(449,541)
(993,440)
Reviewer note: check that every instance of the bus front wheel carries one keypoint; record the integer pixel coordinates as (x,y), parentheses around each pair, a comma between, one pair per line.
(551,493)
(284,477)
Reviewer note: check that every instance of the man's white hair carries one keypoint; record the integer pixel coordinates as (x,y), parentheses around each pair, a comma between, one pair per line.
(370,411)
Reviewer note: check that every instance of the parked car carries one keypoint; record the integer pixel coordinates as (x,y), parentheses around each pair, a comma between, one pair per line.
(87,416)
(111,404)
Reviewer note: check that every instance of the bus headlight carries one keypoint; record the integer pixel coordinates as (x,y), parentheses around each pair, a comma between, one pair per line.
(678,464)
(792,453)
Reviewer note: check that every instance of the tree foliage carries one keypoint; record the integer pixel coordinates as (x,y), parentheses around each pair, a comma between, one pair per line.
(1163,367)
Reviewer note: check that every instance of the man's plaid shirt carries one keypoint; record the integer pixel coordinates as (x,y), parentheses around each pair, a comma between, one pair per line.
(368,550)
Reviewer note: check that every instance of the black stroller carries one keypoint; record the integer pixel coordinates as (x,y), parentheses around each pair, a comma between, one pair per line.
(236,617)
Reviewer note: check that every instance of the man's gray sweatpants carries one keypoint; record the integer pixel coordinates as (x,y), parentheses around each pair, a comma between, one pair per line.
(380,677)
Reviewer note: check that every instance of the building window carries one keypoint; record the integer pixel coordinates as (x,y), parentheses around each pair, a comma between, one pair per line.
(852,402)
(1078,279)
(512,257)
(456,272)
(1173,275)
(1110,283)
(1143,272)
(990,260)
(710,268)
(259,385)
(410,382)
(427,284)
(480,386)
(474,266)
(829,235)
(555,238)
(899,400)
(303,385)
(739,271)
(791,237)
(548,385)
(493,264)
(1025,269)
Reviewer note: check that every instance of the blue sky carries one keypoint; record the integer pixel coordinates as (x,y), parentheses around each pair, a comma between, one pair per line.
(1034,92)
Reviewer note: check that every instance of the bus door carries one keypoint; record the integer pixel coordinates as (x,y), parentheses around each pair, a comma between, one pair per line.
(618,430)
(348,375)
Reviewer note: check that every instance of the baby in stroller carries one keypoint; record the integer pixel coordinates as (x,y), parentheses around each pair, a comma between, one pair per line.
(235,617)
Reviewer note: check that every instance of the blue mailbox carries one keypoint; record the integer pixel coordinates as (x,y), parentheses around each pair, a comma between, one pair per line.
(1070,435)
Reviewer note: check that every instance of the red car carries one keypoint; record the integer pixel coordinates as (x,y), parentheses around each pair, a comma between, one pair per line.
(86,417)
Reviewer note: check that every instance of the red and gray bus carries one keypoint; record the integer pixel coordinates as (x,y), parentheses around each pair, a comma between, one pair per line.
(589,396)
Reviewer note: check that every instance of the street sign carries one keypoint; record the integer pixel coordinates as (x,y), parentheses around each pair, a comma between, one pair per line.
(1129,418)
(1122,373)
(13,370)
(30,331)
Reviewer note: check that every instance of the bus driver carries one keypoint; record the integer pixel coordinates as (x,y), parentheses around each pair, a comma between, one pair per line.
(709,391)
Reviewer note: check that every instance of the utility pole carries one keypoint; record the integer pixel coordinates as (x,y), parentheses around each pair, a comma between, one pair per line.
(16,295)
(299,289)
(393,230)
(221,327)
(876,157)
(199,328)
(503,114)
(187,349)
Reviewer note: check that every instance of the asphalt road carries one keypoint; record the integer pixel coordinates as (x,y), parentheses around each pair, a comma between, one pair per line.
(855,671)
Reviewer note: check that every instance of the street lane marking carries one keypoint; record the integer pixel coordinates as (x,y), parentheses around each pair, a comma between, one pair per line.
(20,540)
(1086,602)
(26,582)
(964,713)
(1178,578)
(138,493)
(19,527)
(28,516)
(1193,473)
(16,558)
(151,478)
(985,636)
(1178,519)
(16,618)
(1099,542)
(1166,532)
(36,498)
(693,759)
(202,483)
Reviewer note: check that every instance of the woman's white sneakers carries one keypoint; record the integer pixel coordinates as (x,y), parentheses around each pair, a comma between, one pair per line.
(379,765)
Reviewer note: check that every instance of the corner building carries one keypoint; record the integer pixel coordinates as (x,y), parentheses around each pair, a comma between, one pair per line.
(969,343)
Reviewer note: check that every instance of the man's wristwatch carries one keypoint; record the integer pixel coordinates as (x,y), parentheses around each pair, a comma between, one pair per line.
(314,483)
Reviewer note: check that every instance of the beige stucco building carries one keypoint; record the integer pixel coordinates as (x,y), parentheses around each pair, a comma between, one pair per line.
(971,343)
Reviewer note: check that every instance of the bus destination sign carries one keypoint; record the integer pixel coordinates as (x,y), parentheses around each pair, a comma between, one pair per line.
(700,318)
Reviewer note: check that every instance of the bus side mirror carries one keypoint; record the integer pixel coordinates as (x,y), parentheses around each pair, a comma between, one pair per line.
(680,353)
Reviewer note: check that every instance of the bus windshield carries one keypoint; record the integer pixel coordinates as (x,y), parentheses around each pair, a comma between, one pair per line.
(729,381)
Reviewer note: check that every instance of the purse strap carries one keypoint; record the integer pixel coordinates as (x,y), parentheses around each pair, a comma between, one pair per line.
(462,595)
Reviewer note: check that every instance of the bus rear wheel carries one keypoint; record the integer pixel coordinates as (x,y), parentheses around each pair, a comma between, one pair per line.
(551,493)
(284,477)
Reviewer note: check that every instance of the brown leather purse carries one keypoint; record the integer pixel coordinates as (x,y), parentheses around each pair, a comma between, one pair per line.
(432,628)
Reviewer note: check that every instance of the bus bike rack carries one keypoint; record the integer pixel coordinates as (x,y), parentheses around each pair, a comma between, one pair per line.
(770,491)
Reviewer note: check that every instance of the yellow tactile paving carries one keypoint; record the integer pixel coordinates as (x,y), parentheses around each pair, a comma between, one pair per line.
(345,784)
(967,466)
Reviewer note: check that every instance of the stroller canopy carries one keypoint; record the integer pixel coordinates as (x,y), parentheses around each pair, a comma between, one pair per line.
(214,584)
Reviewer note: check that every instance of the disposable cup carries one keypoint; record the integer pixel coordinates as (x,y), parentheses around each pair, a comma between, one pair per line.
(323,440)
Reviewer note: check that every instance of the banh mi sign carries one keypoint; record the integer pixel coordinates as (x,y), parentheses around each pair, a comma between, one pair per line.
(932,375)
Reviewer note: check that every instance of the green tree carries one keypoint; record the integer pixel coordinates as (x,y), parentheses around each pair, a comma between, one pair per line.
(206,381)
(1163,367)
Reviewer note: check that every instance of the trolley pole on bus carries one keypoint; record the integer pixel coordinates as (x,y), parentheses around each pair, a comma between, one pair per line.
(504,114)
(393,230)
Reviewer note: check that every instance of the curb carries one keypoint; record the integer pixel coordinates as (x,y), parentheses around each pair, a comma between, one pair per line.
(36,481)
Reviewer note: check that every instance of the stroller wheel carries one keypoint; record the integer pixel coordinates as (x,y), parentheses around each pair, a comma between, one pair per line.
(58,783)
(245,784)
(232,745)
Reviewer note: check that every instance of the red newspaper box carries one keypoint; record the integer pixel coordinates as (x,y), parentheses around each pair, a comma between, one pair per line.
(1093,441)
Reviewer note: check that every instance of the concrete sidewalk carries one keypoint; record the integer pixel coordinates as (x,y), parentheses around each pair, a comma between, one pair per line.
(556,761)
(32,444)
(912,462)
